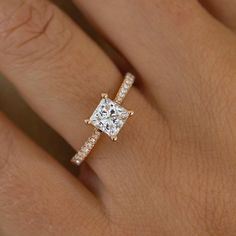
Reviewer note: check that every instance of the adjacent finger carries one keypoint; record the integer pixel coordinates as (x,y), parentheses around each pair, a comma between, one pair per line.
(225,11)
(174,45)
(12,104)
(37,195)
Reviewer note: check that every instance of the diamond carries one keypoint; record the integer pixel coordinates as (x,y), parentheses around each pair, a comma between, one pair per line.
(109,117)
(126,86)
(85,149)
(122,95)
(80,155)
(77,162)
(92,141)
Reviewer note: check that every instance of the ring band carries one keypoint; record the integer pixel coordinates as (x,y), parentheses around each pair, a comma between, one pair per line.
(109,117)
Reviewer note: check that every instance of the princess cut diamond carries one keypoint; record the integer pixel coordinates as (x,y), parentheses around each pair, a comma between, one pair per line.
(109,117)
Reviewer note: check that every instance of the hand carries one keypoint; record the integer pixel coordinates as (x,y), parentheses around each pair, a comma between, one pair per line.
(173,170)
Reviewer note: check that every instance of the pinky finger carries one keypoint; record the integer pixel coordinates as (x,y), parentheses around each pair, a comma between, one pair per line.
(37,196)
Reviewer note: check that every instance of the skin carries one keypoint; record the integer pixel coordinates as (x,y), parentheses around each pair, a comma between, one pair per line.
(173,169)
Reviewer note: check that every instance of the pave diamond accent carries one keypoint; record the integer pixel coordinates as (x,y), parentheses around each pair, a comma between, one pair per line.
(86,148)
(109,117)
(124,88)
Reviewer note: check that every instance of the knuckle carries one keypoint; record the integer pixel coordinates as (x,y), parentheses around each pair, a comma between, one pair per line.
(213,204)
(31,31)
(217,213)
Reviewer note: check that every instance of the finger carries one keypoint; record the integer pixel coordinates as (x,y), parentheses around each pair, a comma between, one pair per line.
(12,104)
(37,196)
(61,73)
(172,44)
(225,11)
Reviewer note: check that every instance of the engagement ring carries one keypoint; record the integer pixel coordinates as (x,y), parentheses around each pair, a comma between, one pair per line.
(108,118)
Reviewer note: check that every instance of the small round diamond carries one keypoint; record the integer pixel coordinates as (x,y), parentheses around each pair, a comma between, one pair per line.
(89,145)
(126,86)
(77,162)
(92,140)
(128,82)
(123,90)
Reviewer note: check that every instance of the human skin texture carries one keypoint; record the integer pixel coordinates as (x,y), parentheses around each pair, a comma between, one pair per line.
(172,171)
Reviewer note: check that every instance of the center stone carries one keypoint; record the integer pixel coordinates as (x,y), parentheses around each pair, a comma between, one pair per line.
(109,117)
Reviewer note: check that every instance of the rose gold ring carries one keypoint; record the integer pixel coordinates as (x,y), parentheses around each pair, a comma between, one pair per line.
(108,118)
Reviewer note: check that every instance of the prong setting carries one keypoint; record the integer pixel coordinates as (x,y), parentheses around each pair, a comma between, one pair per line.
(131,113)
(109,117)
(114,138)
(104,95)
(87,121)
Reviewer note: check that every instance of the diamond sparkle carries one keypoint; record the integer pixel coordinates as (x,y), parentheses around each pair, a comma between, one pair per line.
(109,117)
